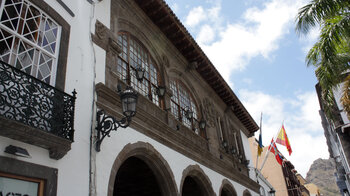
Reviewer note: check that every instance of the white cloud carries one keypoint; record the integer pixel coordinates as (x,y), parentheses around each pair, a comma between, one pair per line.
(248,81)
(257,33)
(206,34)
(302,124)
(199,15)
(195,16)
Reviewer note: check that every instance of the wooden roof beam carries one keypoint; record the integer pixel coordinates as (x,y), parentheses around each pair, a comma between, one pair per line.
(215,78)
(143,3)
(155,11)
(162,20)
(168,27)
(190,53)
(204,67)
(192,56)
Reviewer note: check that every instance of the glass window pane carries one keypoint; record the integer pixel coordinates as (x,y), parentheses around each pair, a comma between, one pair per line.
(31,43)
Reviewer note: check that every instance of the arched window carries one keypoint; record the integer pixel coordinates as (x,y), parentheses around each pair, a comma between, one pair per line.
(134,55)
(182,101)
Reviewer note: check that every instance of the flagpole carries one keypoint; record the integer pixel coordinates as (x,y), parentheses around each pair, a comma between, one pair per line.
(268,152)
(257,154)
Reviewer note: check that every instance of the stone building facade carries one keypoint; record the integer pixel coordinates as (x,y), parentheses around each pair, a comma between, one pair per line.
(337,133)
(92,48)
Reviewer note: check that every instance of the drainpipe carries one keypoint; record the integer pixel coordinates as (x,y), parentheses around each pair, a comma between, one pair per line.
(92,157)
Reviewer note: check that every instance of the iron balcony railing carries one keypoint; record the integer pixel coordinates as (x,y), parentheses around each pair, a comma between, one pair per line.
(28,100)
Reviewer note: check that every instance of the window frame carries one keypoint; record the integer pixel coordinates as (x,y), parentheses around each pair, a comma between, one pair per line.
(60,76)
(20,168)
(125,58)
(36,44)
(181,110)
(40,182)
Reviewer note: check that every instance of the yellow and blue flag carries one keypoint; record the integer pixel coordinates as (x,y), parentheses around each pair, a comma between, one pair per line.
(260,145)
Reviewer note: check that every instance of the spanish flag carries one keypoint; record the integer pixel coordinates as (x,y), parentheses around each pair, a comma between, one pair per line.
(283,139)
(274,150)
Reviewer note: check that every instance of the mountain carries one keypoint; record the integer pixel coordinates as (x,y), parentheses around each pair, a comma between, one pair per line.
(321,173)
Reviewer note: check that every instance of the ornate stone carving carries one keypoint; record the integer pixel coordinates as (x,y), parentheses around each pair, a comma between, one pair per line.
(209,112)
(101,30)
(113,46)
(165,61)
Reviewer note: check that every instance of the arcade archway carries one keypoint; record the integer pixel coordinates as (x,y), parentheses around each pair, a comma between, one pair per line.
(227,189)
(139,170)
(195,182)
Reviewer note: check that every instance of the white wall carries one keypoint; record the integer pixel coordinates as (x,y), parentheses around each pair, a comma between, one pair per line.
(248,155)
(73,168)
(112,146)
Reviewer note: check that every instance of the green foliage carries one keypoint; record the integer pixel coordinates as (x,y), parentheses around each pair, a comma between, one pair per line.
(331,53)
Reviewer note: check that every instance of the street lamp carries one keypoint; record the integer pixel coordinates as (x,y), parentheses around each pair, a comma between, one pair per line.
(107,123)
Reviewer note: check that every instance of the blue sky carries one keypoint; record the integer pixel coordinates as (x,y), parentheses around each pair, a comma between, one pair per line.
(255,48)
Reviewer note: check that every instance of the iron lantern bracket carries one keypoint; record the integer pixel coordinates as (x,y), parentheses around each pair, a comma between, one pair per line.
(106,124)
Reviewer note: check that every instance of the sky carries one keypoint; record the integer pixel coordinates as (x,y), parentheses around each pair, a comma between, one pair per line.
(254,46)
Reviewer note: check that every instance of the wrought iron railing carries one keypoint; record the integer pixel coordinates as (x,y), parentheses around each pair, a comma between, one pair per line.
(35,103)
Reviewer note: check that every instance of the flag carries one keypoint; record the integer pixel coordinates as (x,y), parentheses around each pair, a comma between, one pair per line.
(260,146)
(283,139)
(275,151)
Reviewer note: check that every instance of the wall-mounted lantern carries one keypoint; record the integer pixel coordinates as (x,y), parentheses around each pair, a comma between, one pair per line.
(224,144)
(160,91)
(189,115)
(18,151)
(272,192)
(140,73)
(202,124)
(233,150)
(107,123)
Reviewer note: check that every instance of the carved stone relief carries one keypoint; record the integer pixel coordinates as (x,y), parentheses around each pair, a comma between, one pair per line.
(209,112)
(114,47)
(101,30)
(165,61)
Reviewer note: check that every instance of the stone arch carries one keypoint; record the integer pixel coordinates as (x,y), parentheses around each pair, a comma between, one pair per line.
(155,161)
(195,172)
(228,188)
(175,73)
(126,25)
(134,31)
(246,193)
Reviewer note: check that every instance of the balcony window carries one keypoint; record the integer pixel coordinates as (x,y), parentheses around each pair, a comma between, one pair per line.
(29,39)
(181,101)
(33,53)
(135,55)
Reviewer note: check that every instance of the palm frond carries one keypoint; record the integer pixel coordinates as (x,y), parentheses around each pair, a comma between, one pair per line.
(316,12)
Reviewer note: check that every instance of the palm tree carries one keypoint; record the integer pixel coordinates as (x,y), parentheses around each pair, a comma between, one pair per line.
(331,53)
